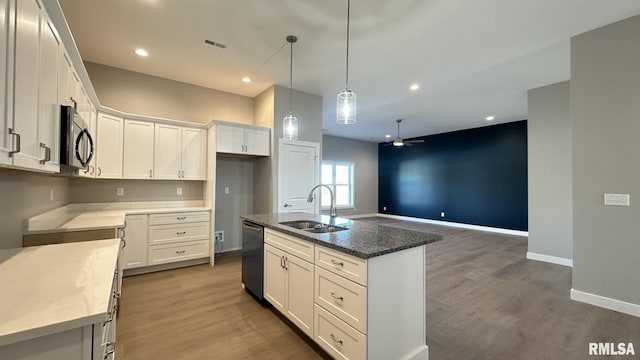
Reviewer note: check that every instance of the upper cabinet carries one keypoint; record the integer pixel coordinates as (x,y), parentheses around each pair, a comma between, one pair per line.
(138,149)
(29,134)
(180,152)
(242,139)
(109,146)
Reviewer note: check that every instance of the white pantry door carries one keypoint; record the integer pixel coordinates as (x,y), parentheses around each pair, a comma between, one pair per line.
(298,172)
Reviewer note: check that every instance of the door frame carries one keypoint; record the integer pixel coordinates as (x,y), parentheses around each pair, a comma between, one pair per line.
(281,143)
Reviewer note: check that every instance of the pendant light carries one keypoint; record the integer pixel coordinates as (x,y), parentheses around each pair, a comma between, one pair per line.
(346,110)
(290,122)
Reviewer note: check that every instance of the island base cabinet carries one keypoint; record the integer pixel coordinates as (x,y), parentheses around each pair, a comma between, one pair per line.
(337,338)
(274,277)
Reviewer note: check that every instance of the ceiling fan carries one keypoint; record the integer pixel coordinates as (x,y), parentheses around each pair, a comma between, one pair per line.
(399,141)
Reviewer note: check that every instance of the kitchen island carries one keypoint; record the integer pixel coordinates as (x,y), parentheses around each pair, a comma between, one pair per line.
(358,292)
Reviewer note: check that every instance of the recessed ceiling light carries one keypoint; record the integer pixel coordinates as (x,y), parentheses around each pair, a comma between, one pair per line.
(246,79)
(489,118)
(414,86)
(142,52)
(387,136)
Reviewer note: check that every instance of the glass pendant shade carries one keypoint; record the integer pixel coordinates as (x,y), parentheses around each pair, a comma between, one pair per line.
(346,109)
(290,127)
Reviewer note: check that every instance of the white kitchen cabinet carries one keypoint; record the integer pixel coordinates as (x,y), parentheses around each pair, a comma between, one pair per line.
(138,150)
(180,152)
(25,96)
(194,153)
(288,279)
(109,146)
(246,140)
(135,252)
(5,85)
(49,110)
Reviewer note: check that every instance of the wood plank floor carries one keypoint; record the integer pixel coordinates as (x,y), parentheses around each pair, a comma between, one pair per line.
(485,300)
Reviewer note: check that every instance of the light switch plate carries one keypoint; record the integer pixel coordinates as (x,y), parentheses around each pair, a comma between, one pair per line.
(226,190)
(617,199)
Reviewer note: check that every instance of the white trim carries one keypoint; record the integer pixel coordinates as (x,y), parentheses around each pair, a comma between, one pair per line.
(550,259)
(607,303)
(458,225)
(359,216)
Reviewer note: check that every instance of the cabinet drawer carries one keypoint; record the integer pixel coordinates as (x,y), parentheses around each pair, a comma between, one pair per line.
(164,234)
(336,337)
(300,248)
(167,253)
(350,267)
(178,218)
(341,297)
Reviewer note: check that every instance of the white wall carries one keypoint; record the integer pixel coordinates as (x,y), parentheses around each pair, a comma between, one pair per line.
(549,173)
(605,113)
(365,157)
(236,174)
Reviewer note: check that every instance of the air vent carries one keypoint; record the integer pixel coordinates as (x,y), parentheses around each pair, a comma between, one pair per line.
(210,42)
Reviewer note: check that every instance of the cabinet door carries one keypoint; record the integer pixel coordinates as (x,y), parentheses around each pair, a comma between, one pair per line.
(135,252)
(229,139)
(138,150)
(167,159)
(257,142)
(299,293)
(274,277)
(109,148)
(49,111)
(194,154)
(25,116)
(5,86)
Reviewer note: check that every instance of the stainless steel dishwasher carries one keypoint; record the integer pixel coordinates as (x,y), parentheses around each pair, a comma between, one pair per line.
(252,258)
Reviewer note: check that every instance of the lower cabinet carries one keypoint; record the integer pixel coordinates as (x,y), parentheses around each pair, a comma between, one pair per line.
(135,252)
(288,283)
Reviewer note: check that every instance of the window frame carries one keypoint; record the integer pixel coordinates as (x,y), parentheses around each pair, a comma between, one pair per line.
(352,185)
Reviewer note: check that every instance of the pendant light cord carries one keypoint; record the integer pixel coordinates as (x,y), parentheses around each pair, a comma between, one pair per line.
(348,23)
(291,79)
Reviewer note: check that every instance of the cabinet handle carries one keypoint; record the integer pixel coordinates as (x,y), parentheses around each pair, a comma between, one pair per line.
(181,217)
(282,262)
(99,171)
(150,173)
(340,298)
(47,154)
(181,232)
(181,251)
(17,150)
(337,263)
(93,169)
(335,340)
(287,205)
(286,266)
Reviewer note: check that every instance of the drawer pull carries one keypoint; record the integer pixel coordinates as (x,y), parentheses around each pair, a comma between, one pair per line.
(337,263)
(333,295)
(181,251)
(335,340)
(181,232)
(181,218)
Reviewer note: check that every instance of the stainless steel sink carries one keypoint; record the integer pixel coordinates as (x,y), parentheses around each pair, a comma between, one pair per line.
(313,226)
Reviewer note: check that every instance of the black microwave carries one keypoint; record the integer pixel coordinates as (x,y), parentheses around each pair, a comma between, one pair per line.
(76,143)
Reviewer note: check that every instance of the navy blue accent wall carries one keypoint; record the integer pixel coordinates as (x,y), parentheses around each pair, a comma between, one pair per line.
(476,176)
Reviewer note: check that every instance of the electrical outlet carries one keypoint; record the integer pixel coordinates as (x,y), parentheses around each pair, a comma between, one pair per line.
(442,214)
(226,190)
(384,208)
(120,191)
(179,191)
(50,194)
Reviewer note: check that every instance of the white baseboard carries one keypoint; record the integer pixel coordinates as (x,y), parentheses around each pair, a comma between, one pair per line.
(458,225)
(227,250)
(607,303)
(550,259)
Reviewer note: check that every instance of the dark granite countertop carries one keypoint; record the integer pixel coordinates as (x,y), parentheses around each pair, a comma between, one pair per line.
(363,239)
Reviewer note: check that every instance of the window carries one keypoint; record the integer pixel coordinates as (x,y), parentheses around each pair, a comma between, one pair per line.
(339,176)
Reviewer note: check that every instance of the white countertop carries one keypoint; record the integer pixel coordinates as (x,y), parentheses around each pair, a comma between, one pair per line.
(80,217)
(53,288)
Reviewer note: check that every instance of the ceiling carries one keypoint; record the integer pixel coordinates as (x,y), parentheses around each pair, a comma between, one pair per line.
(472,58)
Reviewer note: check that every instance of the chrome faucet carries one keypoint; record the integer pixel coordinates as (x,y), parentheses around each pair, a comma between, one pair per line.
(332,210)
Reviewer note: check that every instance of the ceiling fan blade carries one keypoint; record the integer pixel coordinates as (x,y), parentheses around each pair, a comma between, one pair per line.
(413,141)
(387,144)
